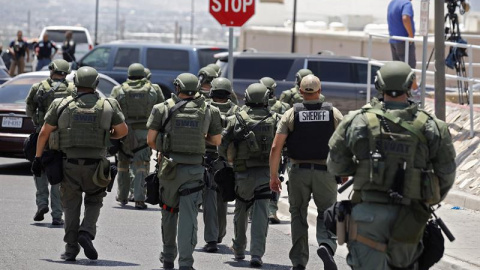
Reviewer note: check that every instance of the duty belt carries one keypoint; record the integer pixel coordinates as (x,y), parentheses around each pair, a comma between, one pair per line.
(314,166)
(86,161)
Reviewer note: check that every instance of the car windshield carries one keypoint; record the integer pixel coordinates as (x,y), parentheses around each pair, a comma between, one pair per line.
(58,36)
(16,90)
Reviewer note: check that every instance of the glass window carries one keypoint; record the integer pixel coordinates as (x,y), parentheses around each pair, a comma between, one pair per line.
(205,56)
(256,68)
(14,93)
(58,36)
(125,57)
(362,73)
(330,71)
(168,59)
(105,86)
(98,58)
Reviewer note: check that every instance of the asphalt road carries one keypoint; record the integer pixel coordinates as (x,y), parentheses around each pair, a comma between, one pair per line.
(126,238)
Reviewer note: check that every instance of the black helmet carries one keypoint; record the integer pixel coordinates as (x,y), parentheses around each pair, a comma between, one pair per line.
(256,94)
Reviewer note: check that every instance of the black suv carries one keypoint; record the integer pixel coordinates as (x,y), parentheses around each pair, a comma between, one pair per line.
(344,78)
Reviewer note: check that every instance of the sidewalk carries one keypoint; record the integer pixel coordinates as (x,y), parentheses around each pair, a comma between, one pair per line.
(462,254)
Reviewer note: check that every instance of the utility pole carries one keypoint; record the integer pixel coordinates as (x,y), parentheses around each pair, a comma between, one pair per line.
(192,18)
(439,60)
(117,30)
(293,24)
(96,23)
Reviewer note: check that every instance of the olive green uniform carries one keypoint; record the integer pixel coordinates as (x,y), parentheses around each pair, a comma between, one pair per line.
(388,231)
(181,174)
(291,96)
(303,183)
(252,177)
(38,101)
(81,160)
(214,208)
(136,98)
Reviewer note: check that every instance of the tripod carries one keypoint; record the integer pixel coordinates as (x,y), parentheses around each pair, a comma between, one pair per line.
(455,58)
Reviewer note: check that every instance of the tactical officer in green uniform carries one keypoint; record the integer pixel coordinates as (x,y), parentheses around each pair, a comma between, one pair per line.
(179,129)
(205,78)
(148,76)
(293,95)
(38,101)
(402,160)
(136,97)
(279,107)
(214,208)
(81,125)
(218,70)
(246,144)
(306,129)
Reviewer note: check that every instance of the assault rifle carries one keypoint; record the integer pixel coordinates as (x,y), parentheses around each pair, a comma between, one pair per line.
(442,225)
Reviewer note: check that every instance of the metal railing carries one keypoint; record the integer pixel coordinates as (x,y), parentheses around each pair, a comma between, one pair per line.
(470,79)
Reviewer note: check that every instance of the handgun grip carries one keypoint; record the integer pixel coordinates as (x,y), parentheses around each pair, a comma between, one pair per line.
(445,230)
(345,186)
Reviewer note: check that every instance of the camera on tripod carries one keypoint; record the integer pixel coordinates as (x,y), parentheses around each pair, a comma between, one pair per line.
(452,5)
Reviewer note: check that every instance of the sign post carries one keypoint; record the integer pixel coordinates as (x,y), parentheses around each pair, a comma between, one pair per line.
(424,12)
(231,13)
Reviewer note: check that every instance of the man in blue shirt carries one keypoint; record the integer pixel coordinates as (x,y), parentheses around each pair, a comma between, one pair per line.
(44,52)
(400,23)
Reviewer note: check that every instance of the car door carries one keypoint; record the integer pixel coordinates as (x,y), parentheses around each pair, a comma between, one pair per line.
(124,57)
(337,79)
(99,58)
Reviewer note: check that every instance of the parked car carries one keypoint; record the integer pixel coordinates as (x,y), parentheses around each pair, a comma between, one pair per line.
(166,61)
(15,124)
(344,78)
(81,36)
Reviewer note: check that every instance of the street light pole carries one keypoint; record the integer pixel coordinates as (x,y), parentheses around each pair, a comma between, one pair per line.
(96,23)
(439,60)
(294,23)
(192,17)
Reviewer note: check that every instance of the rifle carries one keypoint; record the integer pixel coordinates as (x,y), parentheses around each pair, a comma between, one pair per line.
(113,174)
(442,225)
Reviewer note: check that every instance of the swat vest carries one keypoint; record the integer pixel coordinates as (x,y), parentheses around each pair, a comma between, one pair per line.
(226,109)
(294,96)
(84,132)
(253,140)
(137,102)
(398,157)
(313,127)
(277,106)
(46,93)
(185,133)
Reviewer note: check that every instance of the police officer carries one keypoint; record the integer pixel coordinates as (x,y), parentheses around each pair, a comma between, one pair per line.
(18,49)
(38,101)
(293,95)
(179,129)
(216,68)
(306,129)
(280,108)
(246,144)
(402,159)
(83,124)
(205,78)
(136,97)
(43,51)
(68,47)
(148,76)
(214,208)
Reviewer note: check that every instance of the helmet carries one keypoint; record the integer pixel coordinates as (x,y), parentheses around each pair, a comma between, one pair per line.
(221,88)
(86,77)
(59,66)
(148,73)
(394,76)
(256,94)
(215,67)
(206,75)
(270,84)
(187,83)
(136,70)
(300,74)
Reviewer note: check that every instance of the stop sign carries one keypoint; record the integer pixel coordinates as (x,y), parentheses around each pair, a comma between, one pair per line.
(232,12)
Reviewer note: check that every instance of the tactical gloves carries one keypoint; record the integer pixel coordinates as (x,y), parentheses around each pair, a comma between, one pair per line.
(37,166)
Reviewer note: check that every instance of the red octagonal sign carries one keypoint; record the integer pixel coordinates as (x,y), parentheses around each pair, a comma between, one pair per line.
(232,12)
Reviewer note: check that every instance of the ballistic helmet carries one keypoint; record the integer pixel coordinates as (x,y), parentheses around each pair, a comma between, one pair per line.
(256,94)
(300,74)
(221,88)
(86,77)
(148,73)
(59,66)
(186,83)
(217,69)
(394,78)
(206,75)
(270,84)
(136,70)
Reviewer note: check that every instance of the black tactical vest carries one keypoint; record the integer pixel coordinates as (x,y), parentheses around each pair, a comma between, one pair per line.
(313,126)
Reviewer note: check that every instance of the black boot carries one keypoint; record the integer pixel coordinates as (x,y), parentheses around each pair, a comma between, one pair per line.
(85,240)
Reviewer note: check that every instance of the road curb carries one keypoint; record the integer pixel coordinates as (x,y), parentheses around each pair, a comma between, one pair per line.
(463,199)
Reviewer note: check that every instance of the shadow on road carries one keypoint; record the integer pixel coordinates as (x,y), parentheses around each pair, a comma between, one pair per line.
(20,168)
(150,208)
(47,225)
(90,263)
(246,264)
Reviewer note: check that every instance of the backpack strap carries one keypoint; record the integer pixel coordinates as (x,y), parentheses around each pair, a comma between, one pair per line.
(177,106)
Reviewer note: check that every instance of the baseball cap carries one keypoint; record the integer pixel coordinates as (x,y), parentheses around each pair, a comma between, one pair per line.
(310,84)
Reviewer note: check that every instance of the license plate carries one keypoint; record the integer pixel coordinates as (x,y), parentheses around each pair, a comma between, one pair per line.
(12,122)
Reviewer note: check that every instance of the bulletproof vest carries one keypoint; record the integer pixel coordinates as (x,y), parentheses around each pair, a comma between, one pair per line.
(254,139)
(84,130)
(313,126)
(276,106)
(226,109)
(137,101)
(398,155)
(295,96)
(48,90)
(185,134)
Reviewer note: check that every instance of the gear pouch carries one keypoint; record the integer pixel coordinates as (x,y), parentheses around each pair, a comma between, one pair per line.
(410,223)
(168,169)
